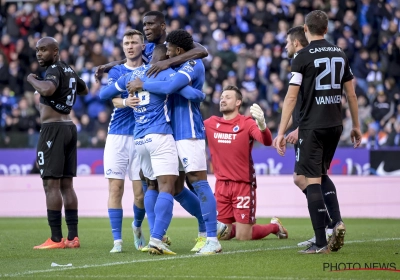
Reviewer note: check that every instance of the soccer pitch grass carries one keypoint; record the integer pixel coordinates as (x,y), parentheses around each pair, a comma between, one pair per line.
(369,242)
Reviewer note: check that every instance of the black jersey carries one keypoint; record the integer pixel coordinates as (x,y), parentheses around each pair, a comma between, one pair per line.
(296,112)
(67,83)
(320,69)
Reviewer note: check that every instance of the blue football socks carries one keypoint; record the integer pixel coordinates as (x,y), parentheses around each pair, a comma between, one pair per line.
(190,202)
(150,199)
(115,216)
(208,206)
(163,212)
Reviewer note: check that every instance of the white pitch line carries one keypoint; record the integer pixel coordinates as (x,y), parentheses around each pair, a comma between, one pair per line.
(174,258)
(141,276)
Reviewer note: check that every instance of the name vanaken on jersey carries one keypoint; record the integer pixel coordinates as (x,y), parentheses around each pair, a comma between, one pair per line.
(320,69)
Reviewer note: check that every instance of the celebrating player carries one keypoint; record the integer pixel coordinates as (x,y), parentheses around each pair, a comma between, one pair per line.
(153,134)
(119,153)
(188,131)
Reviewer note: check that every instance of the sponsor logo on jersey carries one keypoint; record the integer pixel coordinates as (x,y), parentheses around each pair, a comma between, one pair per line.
(143,141)
(51,77)
(49,143)
(331,99)
(68,69)
(110,81)
(109,172)
(138,73)
(236,128)
(187,69)
(185,162)
(192,62)
(61,107)
(224,137)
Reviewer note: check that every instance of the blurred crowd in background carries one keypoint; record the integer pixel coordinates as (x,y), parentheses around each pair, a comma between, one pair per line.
(245,41)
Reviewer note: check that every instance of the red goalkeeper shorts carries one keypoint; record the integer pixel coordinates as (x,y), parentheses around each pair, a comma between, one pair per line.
(236,202)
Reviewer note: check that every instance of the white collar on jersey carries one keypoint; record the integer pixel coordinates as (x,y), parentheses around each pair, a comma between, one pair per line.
(132,68)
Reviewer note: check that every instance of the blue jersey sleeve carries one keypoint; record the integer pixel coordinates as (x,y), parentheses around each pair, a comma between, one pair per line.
(121,83)
(190,69)
(113,75)
(167,87)
(112,90)
(192,94)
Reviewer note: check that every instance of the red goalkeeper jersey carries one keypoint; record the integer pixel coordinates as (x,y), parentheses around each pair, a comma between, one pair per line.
(230,143)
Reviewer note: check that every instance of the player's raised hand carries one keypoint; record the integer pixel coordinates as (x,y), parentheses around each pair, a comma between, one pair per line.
(355,136)
(99,73)
(258,114)
(135,85)
(280,144)
(157,68)
(100,70)
(132,101)
(293,136)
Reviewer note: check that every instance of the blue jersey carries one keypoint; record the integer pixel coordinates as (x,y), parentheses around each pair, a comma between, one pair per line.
(153,114)
(122,120)
(187,121)
(147,53)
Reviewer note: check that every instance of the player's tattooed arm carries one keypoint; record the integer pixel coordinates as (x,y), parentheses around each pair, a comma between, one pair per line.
(197,52)
(105,68)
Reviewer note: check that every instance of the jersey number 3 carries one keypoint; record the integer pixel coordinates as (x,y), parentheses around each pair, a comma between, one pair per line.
(71,97)
(330,68)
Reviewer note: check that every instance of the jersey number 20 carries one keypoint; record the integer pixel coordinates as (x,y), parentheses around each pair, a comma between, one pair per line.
(330,68)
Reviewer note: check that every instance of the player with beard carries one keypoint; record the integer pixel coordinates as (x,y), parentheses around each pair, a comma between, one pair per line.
(230,139)
(295,41)
(320,72)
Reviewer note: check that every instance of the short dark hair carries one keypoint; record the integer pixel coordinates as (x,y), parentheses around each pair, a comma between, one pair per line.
(239,95)
(160,51)
(181,38)
(159,15)
(297,33)
(317,22)
(131,32)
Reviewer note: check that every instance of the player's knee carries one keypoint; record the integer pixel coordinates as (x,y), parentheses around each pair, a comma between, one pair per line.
(195,176)
(243,236)
(139,199)
(116,190)
(299,181)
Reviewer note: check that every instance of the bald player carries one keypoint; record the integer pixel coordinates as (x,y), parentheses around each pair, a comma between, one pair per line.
(56,150)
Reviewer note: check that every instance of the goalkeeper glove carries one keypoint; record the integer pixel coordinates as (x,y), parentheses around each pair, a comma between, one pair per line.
(258,115)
